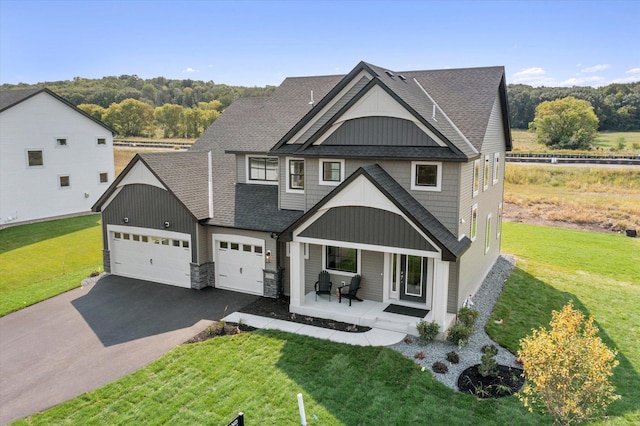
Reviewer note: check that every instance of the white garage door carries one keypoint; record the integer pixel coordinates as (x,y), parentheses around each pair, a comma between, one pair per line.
(151,254)
(239,263)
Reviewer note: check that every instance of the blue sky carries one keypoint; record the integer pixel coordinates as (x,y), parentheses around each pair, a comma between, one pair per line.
(254,43)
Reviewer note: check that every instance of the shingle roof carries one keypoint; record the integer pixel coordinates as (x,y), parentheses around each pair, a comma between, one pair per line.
(256,208)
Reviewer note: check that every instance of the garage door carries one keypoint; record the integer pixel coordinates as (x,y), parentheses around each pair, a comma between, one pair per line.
(239,263)
(151,254)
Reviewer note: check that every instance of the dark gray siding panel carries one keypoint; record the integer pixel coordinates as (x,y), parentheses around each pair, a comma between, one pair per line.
(368,226)
(387,131)
(148,206)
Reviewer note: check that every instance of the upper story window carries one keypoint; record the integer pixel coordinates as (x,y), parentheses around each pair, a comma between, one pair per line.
(496,167)
(64,181)
(263,170)
(103,177)
(474,222)
(486,172)
(487,238)
(61,142)
(426,176)
(295,178)
(35,158)
(331,172)
(101,141)
(476,177)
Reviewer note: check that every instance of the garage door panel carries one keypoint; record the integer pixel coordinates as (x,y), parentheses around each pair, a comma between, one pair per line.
(239,264)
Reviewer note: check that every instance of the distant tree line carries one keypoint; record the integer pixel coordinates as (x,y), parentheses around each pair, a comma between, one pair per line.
(617,106)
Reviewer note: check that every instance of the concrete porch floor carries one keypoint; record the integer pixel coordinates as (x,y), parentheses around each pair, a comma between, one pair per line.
(366,313)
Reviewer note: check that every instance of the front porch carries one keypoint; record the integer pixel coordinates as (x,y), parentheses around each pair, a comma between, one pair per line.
(366,313)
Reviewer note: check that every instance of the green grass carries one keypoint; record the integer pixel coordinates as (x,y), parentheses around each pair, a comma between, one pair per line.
(42,260)
(261,373)
(599,273)
(605,143)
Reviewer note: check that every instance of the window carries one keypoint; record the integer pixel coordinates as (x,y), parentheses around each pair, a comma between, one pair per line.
(342,259)
(136,237)
(496,167)
(331,172)
(64,181)
(175,243)
(35,158)
(263,169)
(224,245)
(101,141)
(145,239)
(61,142)
(486,172)
(476,177)
(257,249)
(474,221)
(246,248)
(117,235)
(185,244)
(296,175)
(499,224)
(104,177)
(235,246)
(426,176)
(487,237)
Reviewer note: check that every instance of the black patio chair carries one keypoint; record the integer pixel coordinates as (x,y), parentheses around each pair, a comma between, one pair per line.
(323,285)
(350,291)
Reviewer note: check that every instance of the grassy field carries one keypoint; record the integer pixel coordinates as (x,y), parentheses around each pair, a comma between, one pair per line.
(261,372)
(608,197)
(605,143)
(41,260)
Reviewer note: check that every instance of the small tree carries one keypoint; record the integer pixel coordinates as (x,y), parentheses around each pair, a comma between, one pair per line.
(567,368)
(567,123)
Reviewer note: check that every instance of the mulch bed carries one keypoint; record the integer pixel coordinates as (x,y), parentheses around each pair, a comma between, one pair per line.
(219,329)
(279,309)
(507,381)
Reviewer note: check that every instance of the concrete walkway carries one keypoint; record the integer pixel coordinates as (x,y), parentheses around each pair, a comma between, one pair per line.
(373,337)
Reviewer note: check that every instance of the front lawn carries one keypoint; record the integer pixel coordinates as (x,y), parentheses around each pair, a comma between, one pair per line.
(44,259)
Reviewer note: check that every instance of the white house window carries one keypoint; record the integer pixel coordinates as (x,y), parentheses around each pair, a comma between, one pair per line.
(263,169)
(499,224)
(486,172)
(474,222)
(103,177)
(496,167)
(61,142)
(295,181)
(476,177)
(331,172)
(426,176)
(341,259)
(35,158)
(487,237)
(101,141)
(64,181)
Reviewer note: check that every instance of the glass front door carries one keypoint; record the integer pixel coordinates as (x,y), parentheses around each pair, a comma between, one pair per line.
(412,278)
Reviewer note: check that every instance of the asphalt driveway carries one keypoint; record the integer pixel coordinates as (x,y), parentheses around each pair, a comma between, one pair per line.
(90,336)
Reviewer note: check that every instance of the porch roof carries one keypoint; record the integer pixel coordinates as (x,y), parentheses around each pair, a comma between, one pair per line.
(451,247)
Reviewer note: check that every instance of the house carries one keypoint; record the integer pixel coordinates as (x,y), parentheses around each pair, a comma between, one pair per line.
(55,160)
(393,176)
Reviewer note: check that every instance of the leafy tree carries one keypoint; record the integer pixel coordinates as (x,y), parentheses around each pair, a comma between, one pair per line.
(567,368)
(130,117)
(168,118)
(567,123)
(96,111)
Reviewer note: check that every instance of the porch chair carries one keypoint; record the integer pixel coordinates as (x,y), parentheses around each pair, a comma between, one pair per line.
(323,285)
(350,291)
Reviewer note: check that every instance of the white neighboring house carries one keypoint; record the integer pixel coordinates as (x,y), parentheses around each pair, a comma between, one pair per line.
(55,160)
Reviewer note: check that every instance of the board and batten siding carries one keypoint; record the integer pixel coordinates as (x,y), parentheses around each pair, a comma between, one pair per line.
(147,206)
(379,131)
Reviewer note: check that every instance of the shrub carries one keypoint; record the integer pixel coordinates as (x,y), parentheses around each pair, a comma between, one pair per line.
(568,368)
(439,367)
(453,357)
(419,355)
(468,316)
(488,362)
(459,334)
(427,330)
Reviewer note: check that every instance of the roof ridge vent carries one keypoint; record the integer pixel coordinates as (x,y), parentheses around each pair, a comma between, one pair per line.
(389,73)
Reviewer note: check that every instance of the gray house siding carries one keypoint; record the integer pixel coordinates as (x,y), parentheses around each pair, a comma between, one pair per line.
(148,206)
(241,169)
(289,200)
(475,263)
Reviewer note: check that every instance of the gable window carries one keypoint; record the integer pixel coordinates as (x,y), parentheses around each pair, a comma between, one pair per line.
(61,142)
(104,177)
(474,222)
(476,177)
(101,141)
(487,237)
(64,181)
(486,172)
(331,172)
(35,158)
(295,181)
(262,169)
(341,259)
(496,167)
(426,176)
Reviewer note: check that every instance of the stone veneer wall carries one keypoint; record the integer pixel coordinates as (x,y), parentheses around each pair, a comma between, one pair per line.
(106,261)
(271,280)
(202,275)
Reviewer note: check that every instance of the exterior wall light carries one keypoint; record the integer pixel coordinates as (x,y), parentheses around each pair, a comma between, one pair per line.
(125,219)
(268,256)
(167,224)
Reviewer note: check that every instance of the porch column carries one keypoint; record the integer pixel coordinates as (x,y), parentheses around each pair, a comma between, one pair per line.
(440,292)
(296,277)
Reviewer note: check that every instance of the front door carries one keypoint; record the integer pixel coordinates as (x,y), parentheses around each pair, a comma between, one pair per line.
(411,277)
